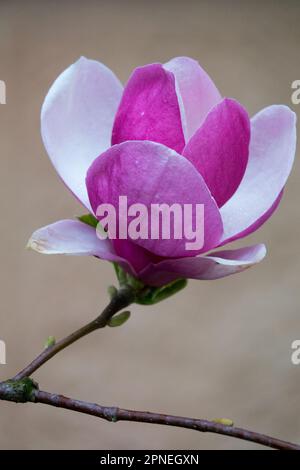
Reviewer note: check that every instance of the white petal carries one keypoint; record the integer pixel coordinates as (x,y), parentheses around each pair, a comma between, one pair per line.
(271,156)
(69,237)
(77,118)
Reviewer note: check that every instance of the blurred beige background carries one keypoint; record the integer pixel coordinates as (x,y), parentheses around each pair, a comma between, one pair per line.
(221,348)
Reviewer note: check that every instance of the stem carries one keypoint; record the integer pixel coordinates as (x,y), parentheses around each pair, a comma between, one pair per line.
(22,388)
(123,298)
(115,414)
(21,391)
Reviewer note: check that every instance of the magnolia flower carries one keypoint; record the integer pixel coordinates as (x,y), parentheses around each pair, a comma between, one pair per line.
(167,136)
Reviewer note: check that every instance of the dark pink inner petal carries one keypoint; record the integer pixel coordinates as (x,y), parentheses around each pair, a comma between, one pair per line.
(148,173)
(137,256)
(219,149)
(149,109)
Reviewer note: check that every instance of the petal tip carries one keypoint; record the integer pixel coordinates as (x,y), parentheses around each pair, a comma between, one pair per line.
(36,245)
(262,250)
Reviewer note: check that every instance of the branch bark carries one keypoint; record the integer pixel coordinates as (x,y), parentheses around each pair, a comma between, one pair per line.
(122,298)
(115,414)
(22,391)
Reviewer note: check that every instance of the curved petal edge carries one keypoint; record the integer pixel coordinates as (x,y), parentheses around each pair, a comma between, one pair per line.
(77,118)
(198,93)
(72,237)
(215,265)
(271,156)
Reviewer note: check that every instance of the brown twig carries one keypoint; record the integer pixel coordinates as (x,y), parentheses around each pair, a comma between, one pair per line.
(26,390)
(23,389)
(120,300)
(115,414)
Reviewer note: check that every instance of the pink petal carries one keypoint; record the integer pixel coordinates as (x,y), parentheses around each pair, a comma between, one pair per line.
(138,257)
(77,118)
(198,92)
(219,149)
(72,237)
(271,156)
(147,173)
(213,266)
(149,109)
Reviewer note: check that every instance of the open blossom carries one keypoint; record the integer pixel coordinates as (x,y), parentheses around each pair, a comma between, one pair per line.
(169,137)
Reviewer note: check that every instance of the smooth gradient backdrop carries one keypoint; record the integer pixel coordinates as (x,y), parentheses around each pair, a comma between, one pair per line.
(220,348)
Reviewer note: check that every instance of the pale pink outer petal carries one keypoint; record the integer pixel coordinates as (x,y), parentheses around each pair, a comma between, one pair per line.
(150,173)
(150,109)
(213,266)
(72,237)
(271,156)
(77,118)
(198,92)
(258,223)
(219,148)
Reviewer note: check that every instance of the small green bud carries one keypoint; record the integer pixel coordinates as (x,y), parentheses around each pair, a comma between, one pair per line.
(224,421)
(112,291)
(120,319)
(121,275)
(88,219)
(125,279)
(50,341)
(153,295)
